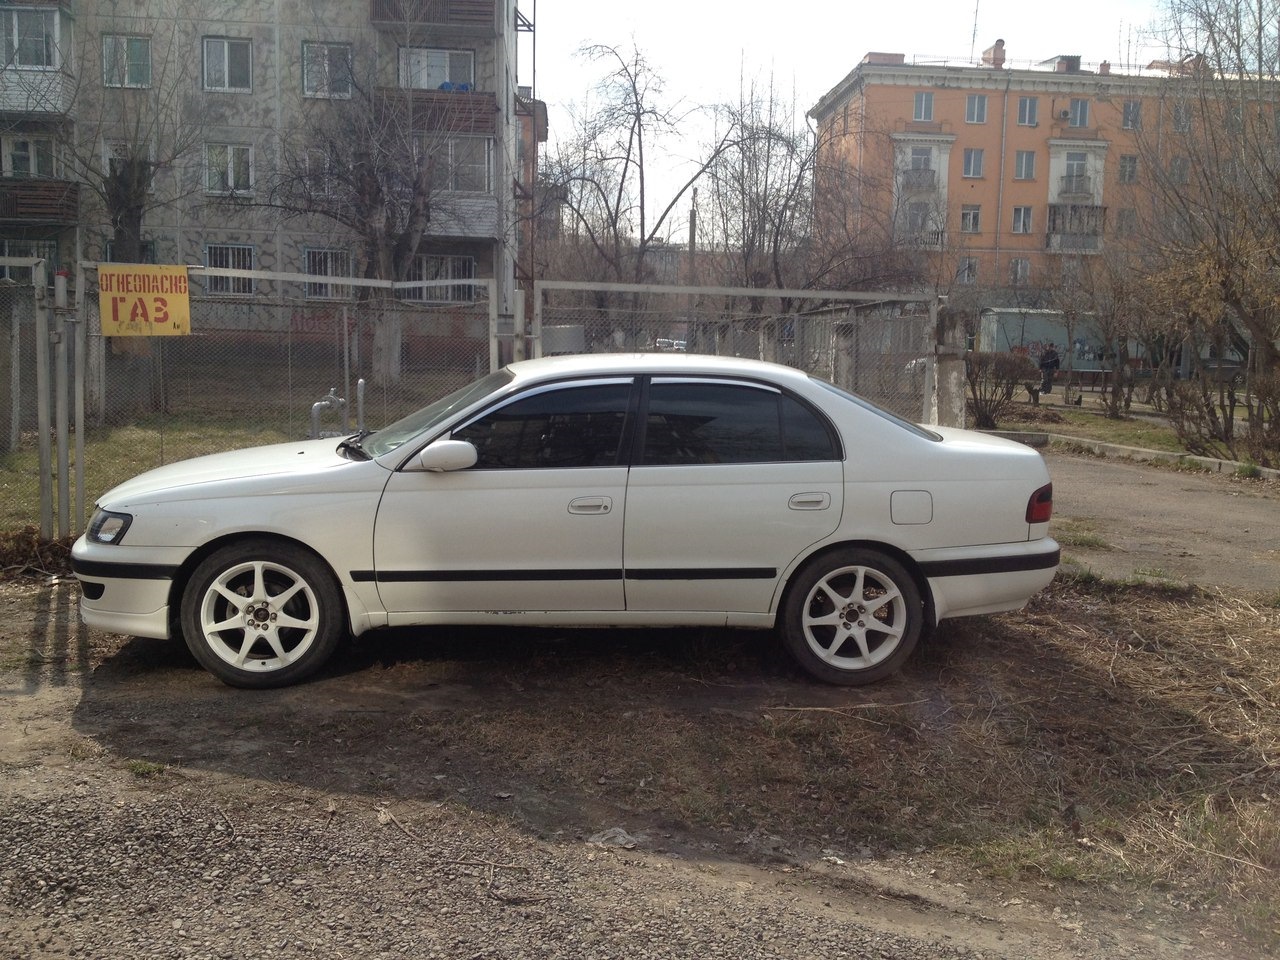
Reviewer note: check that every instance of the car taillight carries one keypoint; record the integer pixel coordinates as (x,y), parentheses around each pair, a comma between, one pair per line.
(1040,506)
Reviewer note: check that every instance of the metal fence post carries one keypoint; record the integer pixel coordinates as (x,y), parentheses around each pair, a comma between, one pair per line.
(40,281)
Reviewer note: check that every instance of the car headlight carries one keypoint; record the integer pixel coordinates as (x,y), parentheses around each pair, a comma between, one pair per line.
(108,527)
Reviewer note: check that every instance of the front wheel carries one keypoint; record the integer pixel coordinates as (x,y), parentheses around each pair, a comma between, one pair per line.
(852,617)
(261,614)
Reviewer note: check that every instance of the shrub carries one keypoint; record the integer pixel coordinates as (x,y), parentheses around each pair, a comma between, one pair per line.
(993,378)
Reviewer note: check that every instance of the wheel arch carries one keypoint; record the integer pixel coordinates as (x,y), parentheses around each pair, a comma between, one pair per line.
(888,549)
(183,575)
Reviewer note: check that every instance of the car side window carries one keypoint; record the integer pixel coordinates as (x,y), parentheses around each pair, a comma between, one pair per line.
(572,426)
(700,422)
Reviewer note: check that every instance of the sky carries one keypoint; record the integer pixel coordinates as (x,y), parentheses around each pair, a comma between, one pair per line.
(702,48)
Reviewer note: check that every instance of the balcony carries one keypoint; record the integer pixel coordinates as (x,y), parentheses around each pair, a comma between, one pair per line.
(45,92)
(454,112)
(471,17)
(926,239)
(33,201)
(1074,242)
(922,181)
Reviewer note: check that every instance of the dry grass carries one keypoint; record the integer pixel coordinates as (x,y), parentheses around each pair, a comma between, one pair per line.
(1109,737)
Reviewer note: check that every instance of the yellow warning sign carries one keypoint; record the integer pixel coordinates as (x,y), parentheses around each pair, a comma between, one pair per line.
(136,300)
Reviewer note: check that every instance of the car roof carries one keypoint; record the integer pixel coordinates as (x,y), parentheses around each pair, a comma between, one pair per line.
(598,364)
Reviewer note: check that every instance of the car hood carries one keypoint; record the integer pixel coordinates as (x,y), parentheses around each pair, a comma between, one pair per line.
(277,468)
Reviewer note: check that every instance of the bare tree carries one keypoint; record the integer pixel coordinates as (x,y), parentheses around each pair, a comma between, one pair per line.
(1214,160)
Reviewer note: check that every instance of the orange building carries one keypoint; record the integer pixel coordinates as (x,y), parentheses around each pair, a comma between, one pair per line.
(1000,177)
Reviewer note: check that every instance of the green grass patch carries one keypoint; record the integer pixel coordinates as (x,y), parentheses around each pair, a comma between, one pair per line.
(1077,532)
(1149,433)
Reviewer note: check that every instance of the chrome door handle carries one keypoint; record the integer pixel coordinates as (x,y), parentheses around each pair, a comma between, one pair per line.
(590,505)
(810,501)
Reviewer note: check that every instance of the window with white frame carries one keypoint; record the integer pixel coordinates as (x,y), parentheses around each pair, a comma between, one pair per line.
(1128,172)
(46,250)
(1028,111)
(1024,165)
(1021,219)
(432,267)
(1079,112)
(1019,271)
(1180,170)
(228,256)
(921,158)
(967,272)
(1131,115)
(126,61)
(326,70)
(28,156)
(923,106)
(431,68)
(322,173)
(970,218)
(228,64)
(469,164)
(123,156)
(30,38)
(324,262)
(228,168)
(973,161)
(975,108)
(919,219)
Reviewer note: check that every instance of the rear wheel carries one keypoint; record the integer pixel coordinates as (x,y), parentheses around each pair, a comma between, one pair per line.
(852,617)
(262,614)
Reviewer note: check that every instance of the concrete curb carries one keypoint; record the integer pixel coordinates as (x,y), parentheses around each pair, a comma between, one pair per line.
(1040,440)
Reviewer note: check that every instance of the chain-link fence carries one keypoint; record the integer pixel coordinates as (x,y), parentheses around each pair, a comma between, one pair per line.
(877,345)
(277,357)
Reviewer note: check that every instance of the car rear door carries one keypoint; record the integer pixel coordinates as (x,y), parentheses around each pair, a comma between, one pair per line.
(535,525)
(732,480)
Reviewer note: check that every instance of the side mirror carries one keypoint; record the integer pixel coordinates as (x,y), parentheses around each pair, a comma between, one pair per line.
(444,456)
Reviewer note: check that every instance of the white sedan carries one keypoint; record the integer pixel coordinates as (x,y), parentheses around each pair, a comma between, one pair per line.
(654,490)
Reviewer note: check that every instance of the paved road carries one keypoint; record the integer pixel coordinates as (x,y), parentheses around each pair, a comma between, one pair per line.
(1208,529)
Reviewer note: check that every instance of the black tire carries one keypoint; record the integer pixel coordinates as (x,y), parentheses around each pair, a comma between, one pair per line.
(289,624)
(845,638)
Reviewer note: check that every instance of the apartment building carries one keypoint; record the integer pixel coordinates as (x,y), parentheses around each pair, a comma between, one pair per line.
(216,103)
(1001,178)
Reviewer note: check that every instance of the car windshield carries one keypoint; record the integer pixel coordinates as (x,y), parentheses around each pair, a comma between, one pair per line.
(421,421)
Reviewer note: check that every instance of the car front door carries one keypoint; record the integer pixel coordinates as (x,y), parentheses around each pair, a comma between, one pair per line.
(535,525)
(733,481)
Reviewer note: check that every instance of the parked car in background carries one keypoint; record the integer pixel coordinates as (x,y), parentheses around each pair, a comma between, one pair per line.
(652,490)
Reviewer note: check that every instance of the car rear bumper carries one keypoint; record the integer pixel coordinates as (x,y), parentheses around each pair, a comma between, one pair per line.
(988,579)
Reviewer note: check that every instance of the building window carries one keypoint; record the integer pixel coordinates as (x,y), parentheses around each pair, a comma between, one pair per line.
(328,263)
(1182,117)
(924,106)
(30,38)
(326,70)
(1077,173)
(975,108)
(228,256)
(228,65)
(1024,165)
(426,268)
(1028,111)
(148,252)
(1079,112)
(228,168)
(1129,168)
(1126,222)
(426,68)
(46,250)
(1021,219)
(28,157)
(126,61)
(1180,170)
(464,164)
(970,218)
(1019,271)
(967,273)
(1131,115)
(973,161)
(921,158)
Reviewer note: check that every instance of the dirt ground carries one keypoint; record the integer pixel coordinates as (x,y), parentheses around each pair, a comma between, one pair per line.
(464,793)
